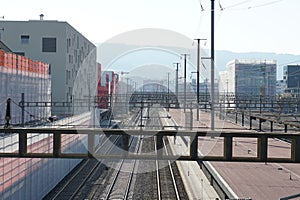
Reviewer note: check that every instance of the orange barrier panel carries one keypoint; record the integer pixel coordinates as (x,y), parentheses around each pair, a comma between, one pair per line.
(19,62)
(46,69)
(2,58)
(26,64)
(5,59)
(23,64)
(8,60)
(40,65)
(30,65)
(14,61)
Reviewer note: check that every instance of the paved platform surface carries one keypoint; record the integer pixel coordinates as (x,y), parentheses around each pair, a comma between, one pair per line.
(247,180)
(197,185)
(195,182)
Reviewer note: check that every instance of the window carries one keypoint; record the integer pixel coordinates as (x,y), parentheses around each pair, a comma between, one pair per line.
(24,39)
(68,76)
(20,53)
(49,45)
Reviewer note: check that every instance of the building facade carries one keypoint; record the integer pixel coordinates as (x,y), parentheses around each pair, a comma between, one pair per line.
(280,85)
(291,78)
(107,88)
(19,74)
(250,78)
(56,43)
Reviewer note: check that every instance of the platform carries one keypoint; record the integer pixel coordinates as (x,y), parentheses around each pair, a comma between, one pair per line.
(250,180)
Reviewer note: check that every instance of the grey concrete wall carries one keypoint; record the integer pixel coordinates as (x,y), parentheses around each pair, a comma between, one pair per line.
(42,176)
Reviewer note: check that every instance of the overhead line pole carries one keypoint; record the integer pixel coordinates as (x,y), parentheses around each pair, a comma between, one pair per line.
(198,76)
(212,88)
(176,79)
(168,106)
(184,89)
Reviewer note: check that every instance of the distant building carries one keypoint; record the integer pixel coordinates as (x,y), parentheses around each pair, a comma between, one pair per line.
(204,87)
(191,91)
(223,79)
(107,87)
(291,78)
(280,85)
(250,78)
(56,43)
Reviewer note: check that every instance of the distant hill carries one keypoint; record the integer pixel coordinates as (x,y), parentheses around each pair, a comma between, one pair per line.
(112,50)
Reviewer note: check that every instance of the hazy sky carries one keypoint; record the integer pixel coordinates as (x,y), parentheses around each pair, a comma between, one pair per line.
(242,25)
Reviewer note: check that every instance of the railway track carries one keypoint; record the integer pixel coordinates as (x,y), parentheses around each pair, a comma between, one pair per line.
(76,183)
(166,179)
(159,180)
(122,181)
(118,179)
(71,186)
(125,179)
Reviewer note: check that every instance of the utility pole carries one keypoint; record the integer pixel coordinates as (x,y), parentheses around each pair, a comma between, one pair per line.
(227,94)
(184,89)
(126,95)
(212,89)
(198,75)
(168,103)
(176,80)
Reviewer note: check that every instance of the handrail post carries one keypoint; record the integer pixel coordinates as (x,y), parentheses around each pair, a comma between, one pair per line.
(194,147)
(22,144)
(296,149)
(262,148)
(159,145)
(125,144)
(56,145)
(228,147)
(91,144)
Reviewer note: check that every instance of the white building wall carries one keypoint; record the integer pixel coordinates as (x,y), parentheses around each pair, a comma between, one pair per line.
(231,76)
(280,86)
(223,82)
(252,77)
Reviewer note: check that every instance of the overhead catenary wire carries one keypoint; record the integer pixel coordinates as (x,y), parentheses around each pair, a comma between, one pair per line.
(295,74)
(265,4)
(253,6)
(30,114)
(238,4)
(221,8)
(4,101)
(201,6)
(284,64)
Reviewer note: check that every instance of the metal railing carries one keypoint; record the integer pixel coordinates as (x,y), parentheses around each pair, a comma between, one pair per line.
(228,136)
